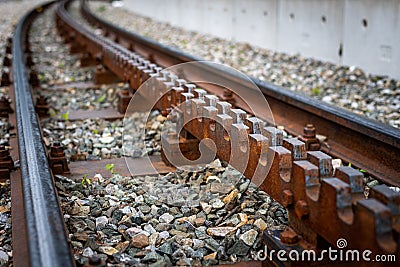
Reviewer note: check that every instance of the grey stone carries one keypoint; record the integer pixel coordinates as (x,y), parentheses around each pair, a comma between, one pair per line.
(163,227)
(152,257)
(101,222)
(197,243)
(164,235)
(249,237)
(166,218)
(165,248)
(211,244)
(239,248)
(201,232)
(87,252)
(148,228)
(3,258)
(217,203)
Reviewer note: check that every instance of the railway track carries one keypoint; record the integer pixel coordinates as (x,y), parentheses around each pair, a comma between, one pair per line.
(352,138)
(322,210)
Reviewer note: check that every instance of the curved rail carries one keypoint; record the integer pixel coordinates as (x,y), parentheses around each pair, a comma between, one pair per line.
(47,240)
(367,144)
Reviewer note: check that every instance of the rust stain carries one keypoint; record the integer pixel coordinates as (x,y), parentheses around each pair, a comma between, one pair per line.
(139,167)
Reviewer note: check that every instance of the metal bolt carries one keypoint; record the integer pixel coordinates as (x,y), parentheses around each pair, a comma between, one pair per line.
(227,93)
(288,236)
(302,210)
(187,96)
(56,150)
(41,100)
(309,131)
(287,198)
(4,153)
(177,89)
(146,63)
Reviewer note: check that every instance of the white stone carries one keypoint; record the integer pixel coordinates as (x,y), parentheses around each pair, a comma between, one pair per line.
(149,229)
(101,222)
(336,163)
(249,237)
(3,256)
(217,203)
(166,218)
(164,235)
(327,99)
(139,199)
(87,252)
(99,177)
(354,105)
(133,231)
(220,231)
(126,210)
(106,140)
(206,208)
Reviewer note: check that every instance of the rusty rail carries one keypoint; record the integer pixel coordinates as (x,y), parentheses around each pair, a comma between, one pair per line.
(46,235)
(367,144)
(322,208)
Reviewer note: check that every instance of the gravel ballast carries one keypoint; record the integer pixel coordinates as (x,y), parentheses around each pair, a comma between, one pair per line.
(192,217)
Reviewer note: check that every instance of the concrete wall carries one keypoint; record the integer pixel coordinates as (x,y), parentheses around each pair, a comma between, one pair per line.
(364,33)
(371,37)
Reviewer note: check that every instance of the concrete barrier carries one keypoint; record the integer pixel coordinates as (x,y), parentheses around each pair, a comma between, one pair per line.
(364,33)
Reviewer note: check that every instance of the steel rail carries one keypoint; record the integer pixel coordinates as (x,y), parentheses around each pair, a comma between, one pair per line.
(47,239)
(321,208)
(367,144)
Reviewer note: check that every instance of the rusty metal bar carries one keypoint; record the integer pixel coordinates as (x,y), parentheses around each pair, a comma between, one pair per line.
(46,235)
(367,144)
